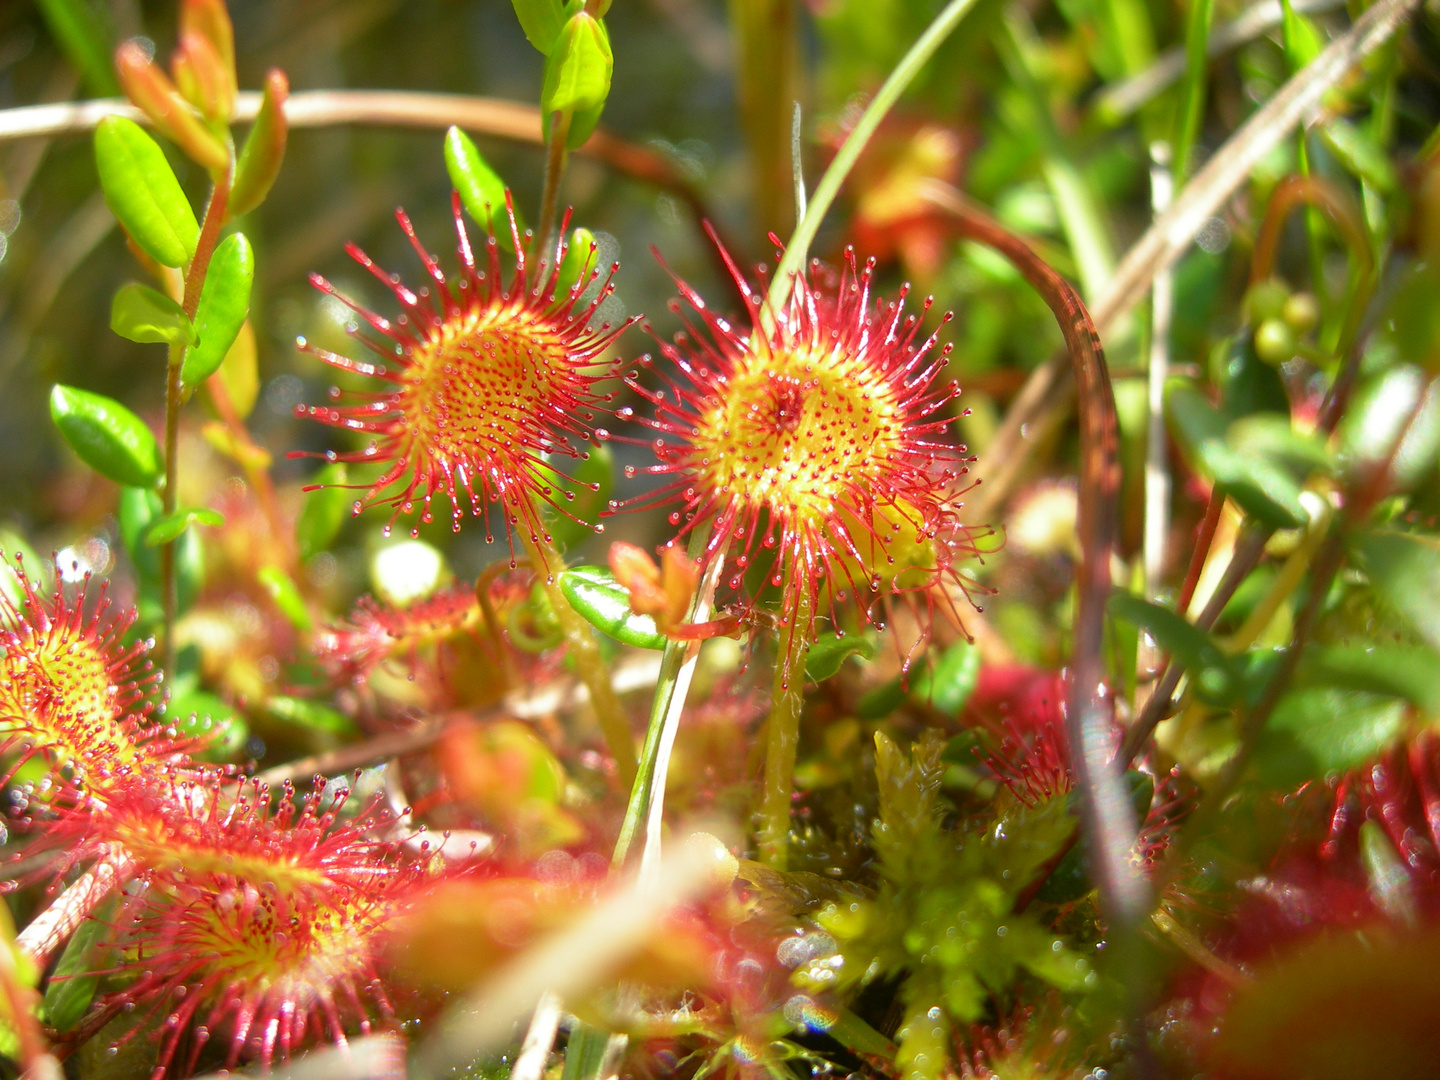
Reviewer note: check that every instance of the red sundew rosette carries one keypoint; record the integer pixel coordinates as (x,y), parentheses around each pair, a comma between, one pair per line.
(75,695)
(260,928)
(814,438)
(480,382)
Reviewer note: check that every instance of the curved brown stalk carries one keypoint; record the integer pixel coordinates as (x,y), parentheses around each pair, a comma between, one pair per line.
(1106,810)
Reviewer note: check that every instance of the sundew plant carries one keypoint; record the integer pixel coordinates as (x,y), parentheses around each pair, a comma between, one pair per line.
(774,539)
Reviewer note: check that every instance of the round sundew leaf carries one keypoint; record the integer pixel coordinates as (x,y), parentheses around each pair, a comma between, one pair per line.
(605,604)
(108,437)
(224,306)
(482,192)
(140,313)
(142,192)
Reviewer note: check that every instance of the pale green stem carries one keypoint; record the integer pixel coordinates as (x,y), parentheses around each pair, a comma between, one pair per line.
(782,729)
(670,691)
(585,654)
(798,250)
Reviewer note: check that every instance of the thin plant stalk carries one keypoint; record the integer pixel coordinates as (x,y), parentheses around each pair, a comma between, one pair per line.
(585,654)
(782,729)
(1192,102)
(555,159)
(798,249)
(669,700)
(215,215)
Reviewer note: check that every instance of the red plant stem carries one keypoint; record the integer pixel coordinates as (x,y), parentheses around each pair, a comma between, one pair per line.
(1204,537)
(194,280)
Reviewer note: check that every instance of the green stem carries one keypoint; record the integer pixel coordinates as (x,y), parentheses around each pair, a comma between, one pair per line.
(585,654)
(555,158)
(665,704)
(1192,101)
(782,729)
(215,215)
(798,250)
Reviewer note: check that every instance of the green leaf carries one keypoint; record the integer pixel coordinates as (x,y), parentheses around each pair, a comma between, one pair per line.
(140,313)
(325,510)
(578,264)
(170,527)
(588,481)
(541,20)
(1405,570)
(949,684)
(264,149)
(71,988)
(139,509)
(87,39)
(1215,675)
(481,190)
(286,595)
(1264,485)
(197,714)
(1379,416)
(142,192)
(224,305)
(1360,154)
(310,715)
(605,604)
(830,651)
(1403,671)
(1319,730)
(107,436)
(577,76)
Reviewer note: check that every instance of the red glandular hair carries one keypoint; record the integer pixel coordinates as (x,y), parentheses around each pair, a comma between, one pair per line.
(258,927)
(814,438)
(480,381)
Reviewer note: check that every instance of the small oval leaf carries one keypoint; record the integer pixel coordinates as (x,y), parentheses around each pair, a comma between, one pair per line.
(170,527)
(140,313)
(283,591)
(142,192)
(830,651)
(541,20)
(481,190)
(108,437)
(264,148)
(224,304)
(605,604)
